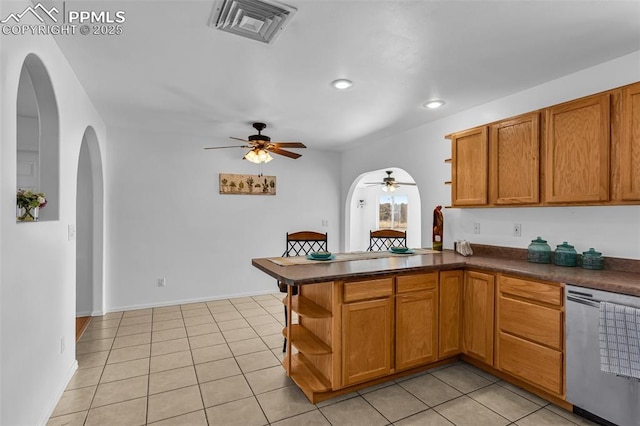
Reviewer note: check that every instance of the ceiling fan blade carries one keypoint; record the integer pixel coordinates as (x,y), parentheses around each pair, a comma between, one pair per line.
(374,183)
(289,144)
(406,183)
(285,153)
(238,139)
(231,146)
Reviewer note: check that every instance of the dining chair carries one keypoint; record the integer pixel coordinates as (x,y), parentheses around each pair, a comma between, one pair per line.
(383,239)
(299,244)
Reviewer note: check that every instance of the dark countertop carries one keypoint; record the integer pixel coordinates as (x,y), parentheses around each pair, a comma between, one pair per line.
(608,280)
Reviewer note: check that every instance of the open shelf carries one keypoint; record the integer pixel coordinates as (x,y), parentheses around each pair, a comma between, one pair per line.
(306,341)
(305,375)
(307,308)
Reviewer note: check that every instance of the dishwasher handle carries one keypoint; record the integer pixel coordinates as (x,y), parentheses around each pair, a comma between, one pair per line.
(594,303)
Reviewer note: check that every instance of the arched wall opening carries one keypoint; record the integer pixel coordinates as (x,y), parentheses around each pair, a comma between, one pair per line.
(89,228)
(38,137)
(363,206)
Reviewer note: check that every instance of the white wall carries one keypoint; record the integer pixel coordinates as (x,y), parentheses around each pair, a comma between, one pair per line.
(37,263)
(166,217)
(421,151)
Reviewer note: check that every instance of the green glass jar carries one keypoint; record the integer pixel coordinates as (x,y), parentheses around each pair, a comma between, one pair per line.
(592,259)
(539,251)
(565,255)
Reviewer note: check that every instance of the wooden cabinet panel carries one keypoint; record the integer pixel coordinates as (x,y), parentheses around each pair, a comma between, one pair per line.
(469,168)
(630,144)
(530,342)
(577,136)
(416,282)
(477,315)
(540,292)
(533,322)
(536,364)
(370,289)
(450,312)
(515,151)
(366,340)
(416,328)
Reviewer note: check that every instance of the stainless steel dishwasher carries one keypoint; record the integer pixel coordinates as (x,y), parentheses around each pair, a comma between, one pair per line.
(612,398)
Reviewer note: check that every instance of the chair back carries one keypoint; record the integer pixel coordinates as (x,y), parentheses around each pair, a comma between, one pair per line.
(383,239)
(305,242)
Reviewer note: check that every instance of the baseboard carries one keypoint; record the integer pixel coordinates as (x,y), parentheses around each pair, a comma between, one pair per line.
(84,314)
(52,406)
(186,301)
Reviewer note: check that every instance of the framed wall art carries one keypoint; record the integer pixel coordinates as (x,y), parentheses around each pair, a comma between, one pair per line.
(247,184)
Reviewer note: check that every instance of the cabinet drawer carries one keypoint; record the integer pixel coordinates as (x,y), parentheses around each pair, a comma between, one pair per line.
(537,323)
(370,289)
(417,282)
(533,363)
(537,291)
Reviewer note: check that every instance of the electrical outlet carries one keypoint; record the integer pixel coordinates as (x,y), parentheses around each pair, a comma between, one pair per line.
(476,228)
(517,230)
(162,282)
(325,223)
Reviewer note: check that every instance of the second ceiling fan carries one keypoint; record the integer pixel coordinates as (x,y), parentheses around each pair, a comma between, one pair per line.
(260,146)
(389,183)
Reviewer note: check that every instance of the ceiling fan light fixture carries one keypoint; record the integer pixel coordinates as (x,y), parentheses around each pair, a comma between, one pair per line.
(258,156)
(342,83)
(436,103)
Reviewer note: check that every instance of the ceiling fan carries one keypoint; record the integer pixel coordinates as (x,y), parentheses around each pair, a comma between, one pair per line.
(389,183)
(260,146)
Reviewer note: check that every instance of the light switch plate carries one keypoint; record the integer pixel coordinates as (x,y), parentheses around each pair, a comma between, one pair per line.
(71,232)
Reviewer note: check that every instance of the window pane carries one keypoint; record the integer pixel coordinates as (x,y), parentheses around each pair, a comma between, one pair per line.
(393,212)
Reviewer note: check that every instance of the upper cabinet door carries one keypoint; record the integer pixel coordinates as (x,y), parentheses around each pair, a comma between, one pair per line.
(515,162)
(630,146)
(577,137)
(469,168)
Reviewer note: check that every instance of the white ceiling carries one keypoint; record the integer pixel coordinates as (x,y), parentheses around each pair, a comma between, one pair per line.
(171,72)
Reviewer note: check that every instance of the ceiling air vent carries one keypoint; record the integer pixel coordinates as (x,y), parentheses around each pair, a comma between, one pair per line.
(260,20)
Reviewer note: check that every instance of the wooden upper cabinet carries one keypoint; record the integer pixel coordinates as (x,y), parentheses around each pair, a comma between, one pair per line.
(515,163)
(469,167)
(630,143)
(577,139)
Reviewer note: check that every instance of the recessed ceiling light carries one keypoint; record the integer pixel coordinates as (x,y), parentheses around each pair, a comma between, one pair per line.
(342,83)
(433,104)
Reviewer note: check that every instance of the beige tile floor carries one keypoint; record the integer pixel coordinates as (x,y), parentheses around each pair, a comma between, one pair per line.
(218,363)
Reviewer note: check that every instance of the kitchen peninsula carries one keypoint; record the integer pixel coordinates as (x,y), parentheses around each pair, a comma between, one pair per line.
(363,320)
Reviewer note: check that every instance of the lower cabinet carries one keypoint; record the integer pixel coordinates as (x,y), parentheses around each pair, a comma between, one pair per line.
(530,324)
(450,312)
(416,320)
(352,332)
(367,331)
(477,315)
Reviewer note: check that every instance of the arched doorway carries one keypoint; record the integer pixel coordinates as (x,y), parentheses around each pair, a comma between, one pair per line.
(363,208)
(89,228)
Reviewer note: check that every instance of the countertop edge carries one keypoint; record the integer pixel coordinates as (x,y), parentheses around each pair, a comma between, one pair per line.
(607,280)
